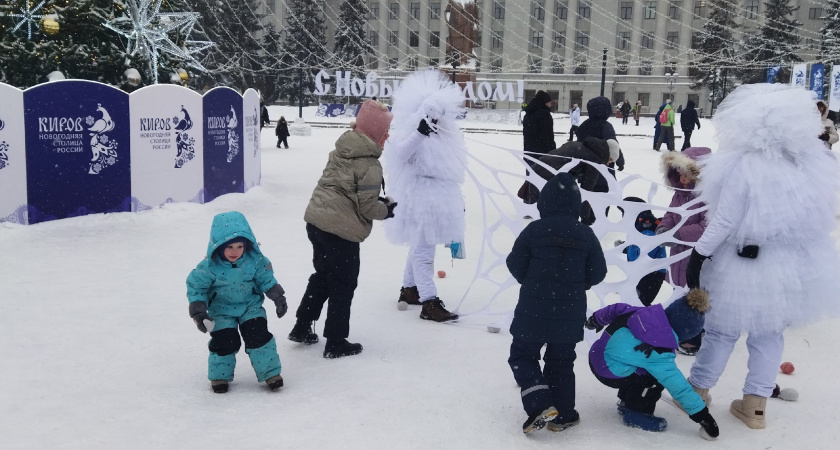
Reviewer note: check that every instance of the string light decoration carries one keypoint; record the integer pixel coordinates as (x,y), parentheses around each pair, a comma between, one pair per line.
(148,30)
(28,17)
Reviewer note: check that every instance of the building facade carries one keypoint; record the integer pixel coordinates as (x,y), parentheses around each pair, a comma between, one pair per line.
(559,45)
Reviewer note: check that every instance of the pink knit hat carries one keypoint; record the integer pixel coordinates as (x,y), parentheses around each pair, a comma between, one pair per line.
(373,121)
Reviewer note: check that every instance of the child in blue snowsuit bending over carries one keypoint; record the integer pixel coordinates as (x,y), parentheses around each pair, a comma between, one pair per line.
(636,356)
(225,292)
(556,259)
(649,285)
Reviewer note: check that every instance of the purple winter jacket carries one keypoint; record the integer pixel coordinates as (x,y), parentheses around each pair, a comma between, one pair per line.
(672,164)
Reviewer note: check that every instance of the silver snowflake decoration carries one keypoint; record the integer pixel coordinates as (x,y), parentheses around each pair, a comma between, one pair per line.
(28,17)
(148,32)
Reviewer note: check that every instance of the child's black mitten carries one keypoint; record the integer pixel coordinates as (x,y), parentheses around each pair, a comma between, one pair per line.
(198,313)
(705,419)
(592,324)
(277,295)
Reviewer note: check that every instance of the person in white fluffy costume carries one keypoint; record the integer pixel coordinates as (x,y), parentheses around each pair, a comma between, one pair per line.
(772,193)
(424,169)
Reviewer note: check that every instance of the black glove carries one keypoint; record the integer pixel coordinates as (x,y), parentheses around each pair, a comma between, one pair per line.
(592,324)
(705,419)
(391,207)
(276,294)
(621,168)
(692,271)
(824,136)
(425,129)
(198,313)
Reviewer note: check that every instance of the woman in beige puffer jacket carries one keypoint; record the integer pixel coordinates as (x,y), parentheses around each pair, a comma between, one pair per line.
(339,216)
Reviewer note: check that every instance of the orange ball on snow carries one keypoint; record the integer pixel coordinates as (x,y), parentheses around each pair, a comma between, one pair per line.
(787,368)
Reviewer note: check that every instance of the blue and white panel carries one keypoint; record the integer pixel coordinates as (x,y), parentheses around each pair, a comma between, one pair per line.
(77,150)
(251,129)
(167,152)
(223,143)
(12,156)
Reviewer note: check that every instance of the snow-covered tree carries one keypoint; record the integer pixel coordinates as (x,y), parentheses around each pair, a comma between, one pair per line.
(81,47)
(303,47)
(830,46)
(716,50)
(776,44)
(351,41)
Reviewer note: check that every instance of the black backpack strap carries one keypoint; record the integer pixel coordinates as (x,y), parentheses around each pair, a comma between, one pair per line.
(618,323)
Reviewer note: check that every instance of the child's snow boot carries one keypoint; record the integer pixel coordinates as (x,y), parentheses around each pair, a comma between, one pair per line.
(304,333)
(561,423)
(408,296)
(434,310)
(336,348)
(647,422)
(620,407)
(750,410)
(219,386)
(275,382)
(537,420)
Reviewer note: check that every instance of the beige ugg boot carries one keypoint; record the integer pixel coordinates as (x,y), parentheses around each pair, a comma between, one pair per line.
(704,394)
(750,410)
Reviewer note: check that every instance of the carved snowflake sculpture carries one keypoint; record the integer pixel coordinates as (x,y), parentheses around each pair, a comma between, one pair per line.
(29,18)
(148,32)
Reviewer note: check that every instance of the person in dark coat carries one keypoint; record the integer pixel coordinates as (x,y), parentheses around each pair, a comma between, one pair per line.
(263,116)
(688,118)
(282,132)
(635,355)
(537,134)
(597,125)
(657,126)
(625,112)
(556,259)
(590,149)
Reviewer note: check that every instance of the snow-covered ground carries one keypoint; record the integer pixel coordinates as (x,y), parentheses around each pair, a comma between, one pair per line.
(99,351)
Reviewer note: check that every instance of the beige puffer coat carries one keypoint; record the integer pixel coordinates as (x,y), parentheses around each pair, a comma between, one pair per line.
(828,126)
(346,200)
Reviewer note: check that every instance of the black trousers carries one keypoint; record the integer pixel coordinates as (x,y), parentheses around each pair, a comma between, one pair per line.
(687,140)
(638,392)
(336,276)
(282,140)
(572,132)
(554,385)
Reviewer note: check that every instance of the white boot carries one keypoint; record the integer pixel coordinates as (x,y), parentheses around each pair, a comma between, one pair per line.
(750,410)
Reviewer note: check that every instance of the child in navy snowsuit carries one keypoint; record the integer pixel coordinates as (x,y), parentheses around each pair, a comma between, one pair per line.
(225,292)
(648,285)
(635,354)
(556,259)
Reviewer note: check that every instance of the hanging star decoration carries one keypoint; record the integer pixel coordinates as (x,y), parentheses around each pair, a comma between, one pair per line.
(148,32)
(29,18)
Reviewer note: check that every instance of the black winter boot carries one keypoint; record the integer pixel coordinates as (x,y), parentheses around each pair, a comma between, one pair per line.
(336,348)
(219,386)
(275,382)
(410,295)
(304,333)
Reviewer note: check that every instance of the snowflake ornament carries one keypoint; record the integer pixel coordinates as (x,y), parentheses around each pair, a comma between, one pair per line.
(148,30)
(29,18)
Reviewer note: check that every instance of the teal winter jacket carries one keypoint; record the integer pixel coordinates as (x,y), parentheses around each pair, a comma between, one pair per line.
(231,289)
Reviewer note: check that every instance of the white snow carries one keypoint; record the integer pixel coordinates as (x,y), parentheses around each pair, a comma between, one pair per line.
(99,351)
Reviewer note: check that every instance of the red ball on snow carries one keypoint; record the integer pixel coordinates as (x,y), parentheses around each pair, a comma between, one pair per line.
(787,368)
(441,274)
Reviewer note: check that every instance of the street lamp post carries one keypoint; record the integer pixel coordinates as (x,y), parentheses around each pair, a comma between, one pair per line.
(455,65)
(671,79)
(300,85)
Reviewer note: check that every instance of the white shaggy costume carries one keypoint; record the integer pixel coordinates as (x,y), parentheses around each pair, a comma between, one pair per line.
(424,173)
(770,184)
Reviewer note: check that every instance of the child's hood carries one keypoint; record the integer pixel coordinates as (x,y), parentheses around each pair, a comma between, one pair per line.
(675,163)
(650,325)
(560,196)
(227,226)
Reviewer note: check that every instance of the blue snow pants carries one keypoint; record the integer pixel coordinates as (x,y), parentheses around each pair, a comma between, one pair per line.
(259,345)
(554,385)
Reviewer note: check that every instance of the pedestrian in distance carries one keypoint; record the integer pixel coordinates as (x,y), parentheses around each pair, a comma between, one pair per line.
(666,121)
(574,117)
(282,132)
(688,118)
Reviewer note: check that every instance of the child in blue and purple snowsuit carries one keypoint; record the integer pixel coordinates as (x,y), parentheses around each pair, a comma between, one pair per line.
(635,355)
(556,259)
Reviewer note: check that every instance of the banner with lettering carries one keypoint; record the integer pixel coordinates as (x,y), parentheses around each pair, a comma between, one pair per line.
(798,75)
(834,85)
(167,153)
(772,71)
(223,143)
(817,79)
(12,156)
(77,150)
(336,110)
(251,129)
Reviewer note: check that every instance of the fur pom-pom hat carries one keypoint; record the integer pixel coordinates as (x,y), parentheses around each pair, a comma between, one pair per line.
(373,121)
(687,314)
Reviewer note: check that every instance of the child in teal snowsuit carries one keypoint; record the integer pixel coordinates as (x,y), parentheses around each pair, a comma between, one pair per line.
(225,292)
